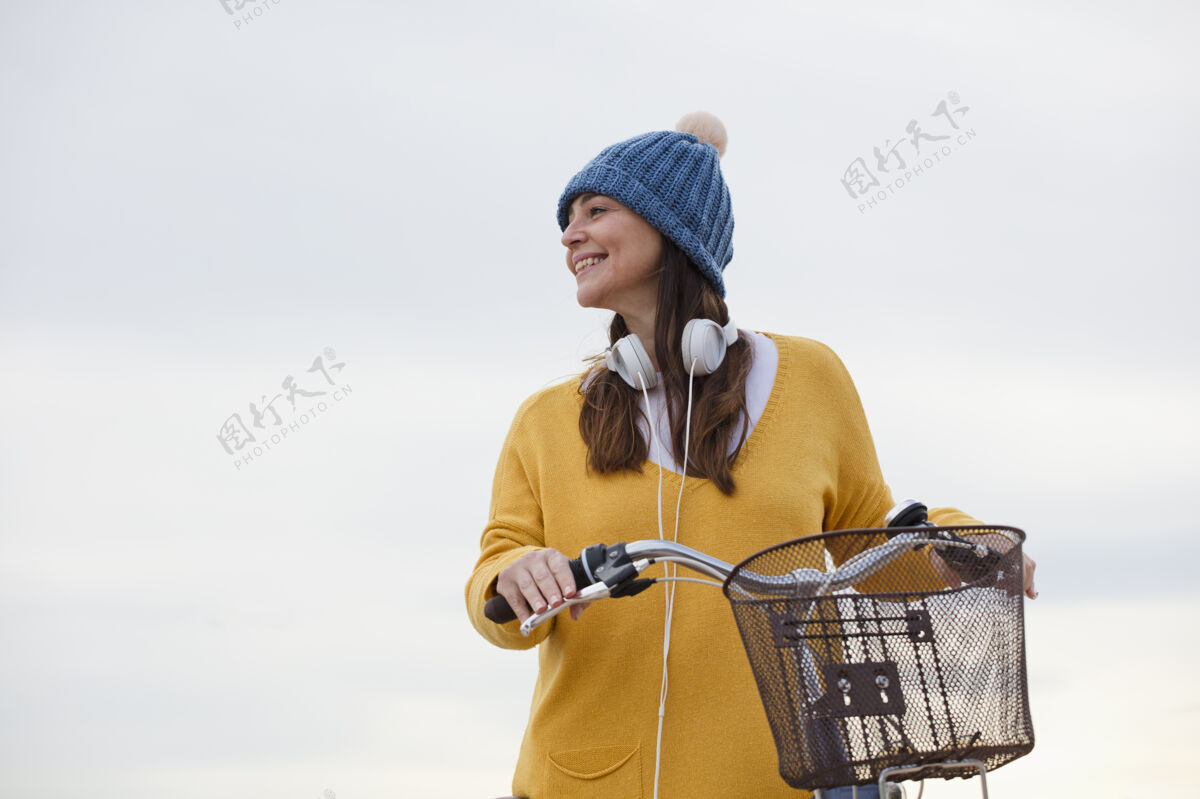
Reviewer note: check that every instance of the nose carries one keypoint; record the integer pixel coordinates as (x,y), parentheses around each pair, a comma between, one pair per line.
(573,234)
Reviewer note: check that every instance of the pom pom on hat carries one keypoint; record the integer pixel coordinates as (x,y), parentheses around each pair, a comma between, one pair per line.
(705,127)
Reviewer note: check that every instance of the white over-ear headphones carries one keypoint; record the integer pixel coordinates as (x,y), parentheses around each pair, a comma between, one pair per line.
(704,341)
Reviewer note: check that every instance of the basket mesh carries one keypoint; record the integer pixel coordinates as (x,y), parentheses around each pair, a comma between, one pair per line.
(896,671)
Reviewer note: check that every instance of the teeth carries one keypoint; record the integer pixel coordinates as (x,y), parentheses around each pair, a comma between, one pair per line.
(586,262)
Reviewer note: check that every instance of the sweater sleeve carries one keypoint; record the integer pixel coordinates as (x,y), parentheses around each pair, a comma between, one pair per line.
(514,528)
(945,517)
(859,498)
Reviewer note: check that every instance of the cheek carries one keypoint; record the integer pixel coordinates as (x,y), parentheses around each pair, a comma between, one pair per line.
(653,255)
(652,245)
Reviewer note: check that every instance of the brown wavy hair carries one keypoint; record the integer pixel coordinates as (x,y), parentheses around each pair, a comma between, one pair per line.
(608,418)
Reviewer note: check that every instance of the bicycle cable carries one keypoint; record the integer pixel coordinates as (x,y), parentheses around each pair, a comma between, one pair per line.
(688,580)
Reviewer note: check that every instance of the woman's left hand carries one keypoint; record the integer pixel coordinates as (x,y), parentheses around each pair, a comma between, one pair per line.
(1001,544)
(1030,591)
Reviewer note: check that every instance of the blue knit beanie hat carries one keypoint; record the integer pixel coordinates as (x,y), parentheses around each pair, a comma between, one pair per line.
(673,180)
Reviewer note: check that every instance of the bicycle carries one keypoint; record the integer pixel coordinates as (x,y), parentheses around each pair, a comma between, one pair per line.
(868,671)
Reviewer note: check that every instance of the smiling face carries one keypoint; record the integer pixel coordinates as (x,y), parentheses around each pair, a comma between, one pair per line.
(614,255)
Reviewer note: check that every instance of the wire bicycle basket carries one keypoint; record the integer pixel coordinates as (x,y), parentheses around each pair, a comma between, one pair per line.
(895,671)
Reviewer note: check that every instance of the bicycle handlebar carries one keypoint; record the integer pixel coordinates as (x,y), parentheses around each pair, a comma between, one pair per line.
(611,570)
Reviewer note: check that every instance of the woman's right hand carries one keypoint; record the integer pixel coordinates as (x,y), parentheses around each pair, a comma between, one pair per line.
(537,581)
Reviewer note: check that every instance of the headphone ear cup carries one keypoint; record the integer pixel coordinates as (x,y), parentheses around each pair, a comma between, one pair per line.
(704,343)
(628,358)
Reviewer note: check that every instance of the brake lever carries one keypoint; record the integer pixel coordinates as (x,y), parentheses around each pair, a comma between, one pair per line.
(589,594)
(972,563)
(617,572)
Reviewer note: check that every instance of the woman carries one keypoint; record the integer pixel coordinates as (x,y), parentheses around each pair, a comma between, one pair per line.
(777,447)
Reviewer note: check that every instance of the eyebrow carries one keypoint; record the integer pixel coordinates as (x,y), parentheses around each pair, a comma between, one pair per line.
(581,198)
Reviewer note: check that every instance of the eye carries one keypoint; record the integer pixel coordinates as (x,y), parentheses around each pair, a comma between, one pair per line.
(592,211)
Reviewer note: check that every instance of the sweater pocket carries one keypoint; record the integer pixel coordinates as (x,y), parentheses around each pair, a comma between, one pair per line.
(601,771)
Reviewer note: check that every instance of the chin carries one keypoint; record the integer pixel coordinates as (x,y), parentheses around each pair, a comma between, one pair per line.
(587,299)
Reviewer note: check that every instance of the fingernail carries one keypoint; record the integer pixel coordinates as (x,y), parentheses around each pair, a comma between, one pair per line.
(554,600)
(569,589)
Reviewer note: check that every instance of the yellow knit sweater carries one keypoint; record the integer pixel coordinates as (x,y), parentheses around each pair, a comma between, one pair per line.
(808,466)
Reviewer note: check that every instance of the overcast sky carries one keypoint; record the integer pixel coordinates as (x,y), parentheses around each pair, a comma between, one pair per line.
(197,205)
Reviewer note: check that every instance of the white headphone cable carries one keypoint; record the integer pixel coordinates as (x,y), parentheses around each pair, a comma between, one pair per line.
(671,570)
(654,443)
(687,433)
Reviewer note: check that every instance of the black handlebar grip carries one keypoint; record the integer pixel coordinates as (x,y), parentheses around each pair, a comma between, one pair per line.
(499,611)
